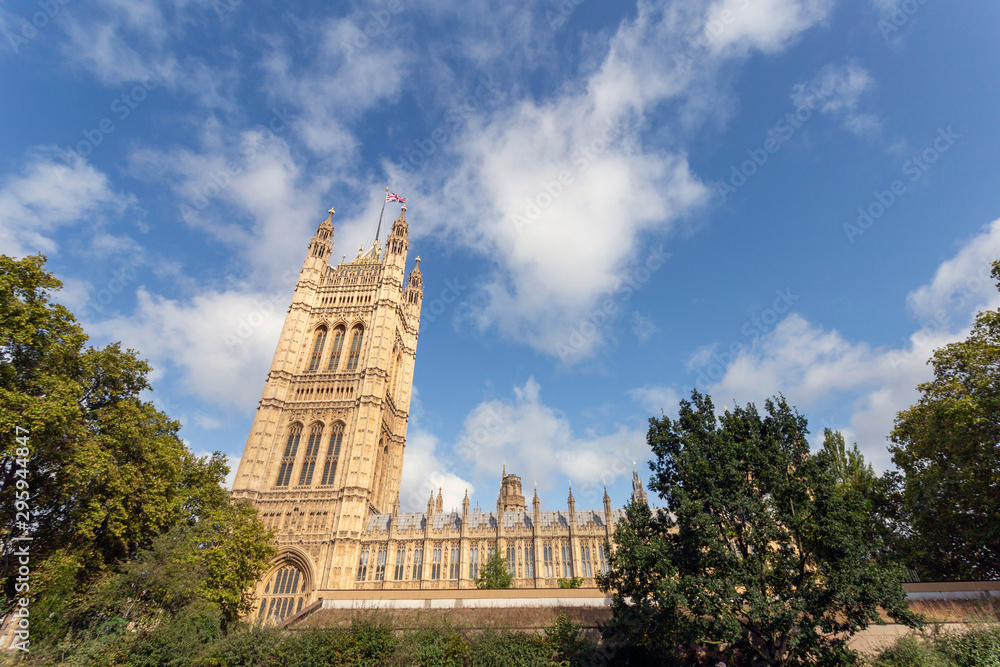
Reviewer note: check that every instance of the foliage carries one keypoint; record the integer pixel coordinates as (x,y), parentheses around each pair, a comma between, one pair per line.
(948,447)
(503,648)
(759,554)
(494,573)
(570,645)
(572,582)
(978,647)
(134,537)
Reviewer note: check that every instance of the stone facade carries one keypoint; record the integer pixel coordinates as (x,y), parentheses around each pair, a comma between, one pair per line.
(324,458)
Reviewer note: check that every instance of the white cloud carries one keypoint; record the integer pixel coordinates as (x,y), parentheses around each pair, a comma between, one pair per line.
(836,90)
(559,194)
(218,343)
(813,366)
(767,25)
(657,400)
(50,194)
(537,443)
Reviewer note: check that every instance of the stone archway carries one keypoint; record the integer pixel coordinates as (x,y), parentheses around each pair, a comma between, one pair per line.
(288,586)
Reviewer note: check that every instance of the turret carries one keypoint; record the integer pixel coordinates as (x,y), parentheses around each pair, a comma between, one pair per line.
(638,493)
(318,255)
(571,506)
(607,507)
(430,507)
(536,506)
(439,506)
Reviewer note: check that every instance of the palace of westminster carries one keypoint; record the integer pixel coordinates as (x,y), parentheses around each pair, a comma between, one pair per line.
(324,458)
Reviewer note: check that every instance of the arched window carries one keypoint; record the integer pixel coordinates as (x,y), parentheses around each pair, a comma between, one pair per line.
(355,353)
(332,454)
(312,448)
(283,595)
(338,344)
(288,459)
(317,348)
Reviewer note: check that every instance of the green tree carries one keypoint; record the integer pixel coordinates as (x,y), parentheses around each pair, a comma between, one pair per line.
(948,448)
(759,553)
(494,572)
(113,492)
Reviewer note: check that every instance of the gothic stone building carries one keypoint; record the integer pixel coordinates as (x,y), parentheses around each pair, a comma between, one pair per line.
(324,457)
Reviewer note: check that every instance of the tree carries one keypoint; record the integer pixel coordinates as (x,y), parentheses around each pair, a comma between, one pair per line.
(114,494)
(759,553)
(494,573)
(948,448)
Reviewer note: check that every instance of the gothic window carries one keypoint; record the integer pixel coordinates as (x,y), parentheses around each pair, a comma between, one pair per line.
(567,561)
(511,556)
(400,562)
(547,555)
(317,348)
(338,344)
(355,354)
(453,569)
(418,564)
(529,561)
(288,459)
(380,565)
(436,564)
(332,454)
(283,595)
(585,559)
(363,566)
(312,448)
(602,558)
(473,562)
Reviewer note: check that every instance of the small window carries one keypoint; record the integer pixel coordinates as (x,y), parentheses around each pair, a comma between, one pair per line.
(288,459)
(338,344)
(317,352)
(355,354)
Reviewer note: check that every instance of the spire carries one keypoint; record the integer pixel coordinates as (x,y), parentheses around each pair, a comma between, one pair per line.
(535,502)
(322,241)
(607,502)
(638,493)
(503,475)
(430,505)
(439,505)
(571,501)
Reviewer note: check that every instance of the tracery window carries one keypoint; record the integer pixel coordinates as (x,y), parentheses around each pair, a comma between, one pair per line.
(363,566)
(288,459)
(436,564)
(602,557)
(380,565)
(585,559)
(312,448)
(400,562)
(418,564)
(338,345)
(547,556)
(332,454)
(473,562)
(453,568)
(317,352)
(529,561)
(355,354)
(567,561)
(283,595)
(511,556)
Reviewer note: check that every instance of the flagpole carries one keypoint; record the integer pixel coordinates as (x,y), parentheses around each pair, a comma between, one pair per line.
(379,229)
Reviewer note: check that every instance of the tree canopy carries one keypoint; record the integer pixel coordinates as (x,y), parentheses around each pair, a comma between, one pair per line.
(948,448)
(109,484)
(760,553)
(494,573)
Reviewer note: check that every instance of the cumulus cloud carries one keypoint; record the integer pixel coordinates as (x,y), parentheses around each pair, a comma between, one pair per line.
(218,343)
(50,194)
(836,90)
(815,367)
(560,193)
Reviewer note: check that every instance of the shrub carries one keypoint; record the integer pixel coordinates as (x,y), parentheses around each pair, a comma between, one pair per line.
(573,582)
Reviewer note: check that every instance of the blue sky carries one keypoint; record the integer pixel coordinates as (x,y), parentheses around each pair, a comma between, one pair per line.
(613,203)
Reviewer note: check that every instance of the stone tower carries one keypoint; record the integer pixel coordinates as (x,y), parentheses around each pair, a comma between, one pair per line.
(325,450)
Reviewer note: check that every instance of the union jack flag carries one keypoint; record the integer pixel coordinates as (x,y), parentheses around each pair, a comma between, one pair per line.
(391,196)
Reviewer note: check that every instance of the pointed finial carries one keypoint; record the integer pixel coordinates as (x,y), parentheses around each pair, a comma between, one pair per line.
(404,208)
(387,188)
(418,261)
(331,212)
(504,473)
